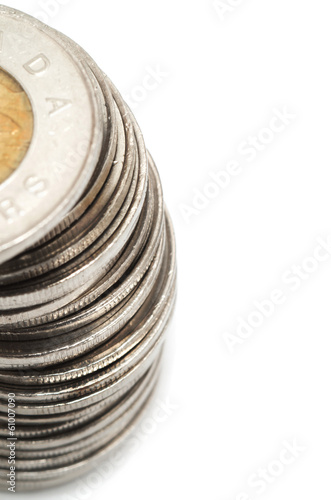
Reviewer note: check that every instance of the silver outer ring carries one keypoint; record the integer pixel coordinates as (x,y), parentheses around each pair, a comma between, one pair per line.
(70,135)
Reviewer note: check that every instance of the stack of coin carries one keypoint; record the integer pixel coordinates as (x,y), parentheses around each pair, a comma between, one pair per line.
(87,258)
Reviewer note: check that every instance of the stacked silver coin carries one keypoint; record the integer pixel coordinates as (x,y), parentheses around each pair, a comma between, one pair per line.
(88,271)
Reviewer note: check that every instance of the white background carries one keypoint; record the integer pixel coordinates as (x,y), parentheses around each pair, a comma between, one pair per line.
(222,79)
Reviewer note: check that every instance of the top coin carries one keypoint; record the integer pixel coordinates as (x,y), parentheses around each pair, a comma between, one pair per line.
(50,131)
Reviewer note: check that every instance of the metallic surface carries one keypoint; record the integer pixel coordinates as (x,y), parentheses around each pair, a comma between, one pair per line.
(65,114)
(88,270)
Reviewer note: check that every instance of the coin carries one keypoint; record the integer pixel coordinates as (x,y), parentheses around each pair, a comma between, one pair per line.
(58,120)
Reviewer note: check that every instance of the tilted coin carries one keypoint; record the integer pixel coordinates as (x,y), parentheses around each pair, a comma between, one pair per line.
(57,165)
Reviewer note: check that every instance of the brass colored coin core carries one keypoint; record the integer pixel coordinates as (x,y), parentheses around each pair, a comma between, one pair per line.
(16,124)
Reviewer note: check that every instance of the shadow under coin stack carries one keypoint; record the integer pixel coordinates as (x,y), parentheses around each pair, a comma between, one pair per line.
(87,262)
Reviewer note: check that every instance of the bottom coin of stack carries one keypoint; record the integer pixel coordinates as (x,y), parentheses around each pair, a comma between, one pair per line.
(84,310)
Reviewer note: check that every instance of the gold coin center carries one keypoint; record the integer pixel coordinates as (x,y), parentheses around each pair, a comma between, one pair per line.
(16,124)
